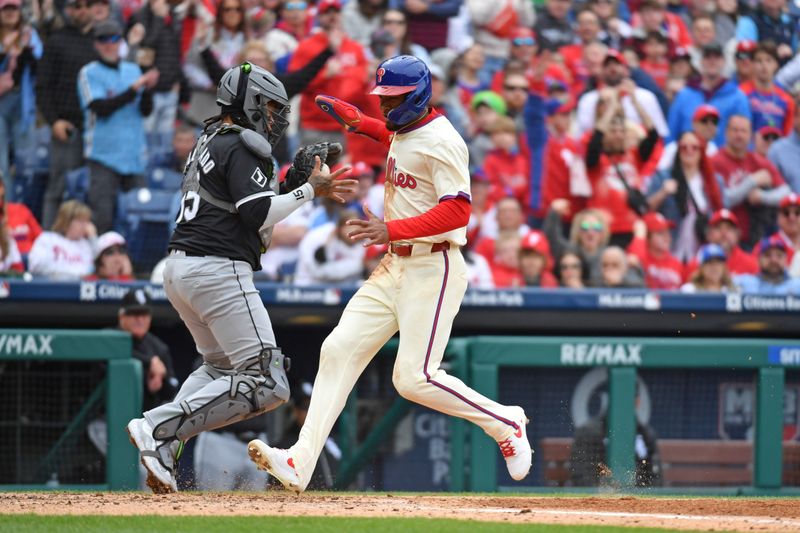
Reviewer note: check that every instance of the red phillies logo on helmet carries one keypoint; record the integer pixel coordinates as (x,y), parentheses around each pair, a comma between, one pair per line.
(399,179)
(379,74)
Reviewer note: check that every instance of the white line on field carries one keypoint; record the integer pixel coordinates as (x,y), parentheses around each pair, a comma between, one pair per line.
(622,514)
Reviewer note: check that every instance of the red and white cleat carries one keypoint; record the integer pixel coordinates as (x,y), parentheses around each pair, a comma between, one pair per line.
(517,450)
(277,462)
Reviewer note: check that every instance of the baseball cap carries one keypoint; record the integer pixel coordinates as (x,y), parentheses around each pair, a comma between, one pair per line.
(535,241)
(705,110)
(657,222)
(325,5)
(772,241)
(136,302)
(790,200)
(554,106)
(106,241)
(770,130)
(712,49)
(491,99)
(360,168)
(479,176)
(745,49)
(724,215)
(107,28)
(616,55)
(679,52)
(709,252)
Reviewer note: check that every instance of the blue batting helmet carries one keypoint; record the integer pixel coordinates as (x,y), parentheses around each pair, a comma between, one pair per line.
(404,75)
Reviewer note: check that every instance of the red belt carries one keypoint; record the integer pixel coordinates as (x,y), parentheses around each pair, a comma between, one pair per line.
(404,250)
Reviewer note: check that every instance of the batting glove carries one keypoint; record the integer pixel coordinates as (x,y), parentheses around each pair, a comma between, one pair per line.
(345,114)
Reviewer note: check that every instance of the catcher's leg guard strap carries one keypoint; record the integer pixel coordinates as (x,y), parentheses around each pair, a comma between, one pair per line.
(262,387)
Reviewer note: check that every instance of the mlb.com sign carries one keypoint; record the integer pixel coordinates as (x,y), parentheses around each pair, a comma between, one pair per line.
(584,353)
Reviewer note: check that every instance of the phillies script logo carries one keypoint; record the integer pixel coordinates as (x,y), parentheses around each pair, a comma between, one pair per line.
(399,179)
(379,74)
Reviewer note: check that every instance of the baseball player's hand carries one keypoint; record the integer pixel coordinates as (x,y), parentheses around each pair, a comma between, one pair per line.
(156,374)
(374,230)
(345,114)
(327,184)
(303,164)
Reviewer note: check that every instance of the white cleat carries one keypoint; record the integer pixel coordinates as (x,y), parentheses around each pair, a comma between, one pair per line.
(517,450)
(159,478)
(277,462)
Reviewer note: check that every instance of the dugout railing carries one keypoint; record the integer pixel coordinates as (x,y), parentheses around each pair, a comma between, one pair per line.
(56,384)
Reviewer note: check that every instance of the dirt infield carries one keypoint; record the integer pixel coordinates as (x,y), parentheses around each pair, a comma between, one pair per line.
(700,514)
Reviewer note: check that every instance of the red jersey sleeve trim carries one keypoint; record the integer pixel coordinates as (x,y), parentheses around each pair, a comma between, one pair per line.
(450,214)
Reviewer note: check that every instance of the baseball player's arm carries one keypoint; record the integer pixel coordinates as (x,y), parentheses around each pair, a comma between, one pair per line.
(353,119)
(448,215)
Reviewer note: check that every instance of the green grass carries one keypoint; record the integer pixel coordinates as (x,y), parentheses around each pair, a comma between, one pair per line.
(196,524)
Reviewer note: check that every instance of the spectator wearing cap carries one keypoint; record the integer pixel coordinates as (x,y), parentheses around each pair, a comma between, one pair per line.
(486,106)
(680,68)
(615,169)
(344,76)
(360,19)
(788,226)
(723,230)
(772,276)
(764,137)
(769,21)
(494,24)
(327,254)
(428,20)
(553,29)
(769,104)
(21,50)
(712,88)
(616,76)
(653,17)
(785,153)
(535,261)
(111,260)
(743,61)
(712,275)
(687,193)
(65,252)
(705,123)
(22,226)
(115,97)
(504,165)
(135,317)
(651,249)
(65,52)
(754,186)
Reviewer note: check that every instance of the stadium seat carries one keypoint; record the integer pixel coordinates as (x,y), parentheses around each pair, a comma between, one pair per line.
(77,184)
(144,217)
(164,179)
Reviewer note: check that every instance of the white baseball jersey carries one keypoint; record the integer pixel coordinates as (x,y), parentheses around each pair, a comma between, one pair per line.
(425,166)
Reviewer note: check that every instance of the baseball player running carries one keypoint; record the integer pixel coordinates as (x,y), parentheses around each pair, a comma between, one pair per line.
(230,202)
(418,287)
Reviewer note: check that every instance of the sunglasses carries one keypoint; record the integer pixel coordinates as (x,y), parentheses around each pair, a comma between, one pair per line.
(591,226)
(770,137)
(108,39)
(790,212)
(113,250)
(709,120)
(295,5)
(689,148)
(515,88)
(569,266)
(744,56)
(9,7)
(523,41)
(394,22)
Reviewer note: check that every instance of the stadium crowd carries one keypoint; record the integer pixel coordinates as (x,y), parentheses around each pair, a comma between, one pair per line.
(613,143)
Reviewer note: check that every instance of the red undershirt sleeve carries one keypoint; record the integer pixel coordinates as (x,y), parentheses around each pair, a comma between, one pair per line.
(374,129)
(450,214)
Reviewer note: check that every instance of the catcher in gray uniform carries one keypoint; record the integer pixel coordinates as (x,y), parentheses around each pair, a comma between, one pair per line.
(231,199)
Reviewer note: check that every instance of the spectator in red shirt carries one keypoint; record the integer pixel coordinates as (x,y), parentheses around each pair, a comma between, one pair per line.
(656,57)
(504,165)
(344,75)
(653,17)
(723,229)
(22,226)
(650,247)
(614,170)
(755,187)
(505,261)
(588,31)
(504,217)
(535,261)
(712,274)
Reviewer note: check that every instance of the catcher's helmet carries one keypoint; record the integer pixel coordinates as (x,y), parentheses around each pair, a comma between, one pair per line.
(404,75)
(247,89)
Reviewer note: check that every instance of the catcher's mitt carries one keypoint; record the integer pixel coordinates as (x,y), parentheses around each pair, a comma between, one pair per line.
(303,163)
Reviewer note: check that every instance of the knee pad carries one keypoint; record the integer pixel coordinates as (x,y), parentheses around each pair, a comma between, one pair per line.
(260,388)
